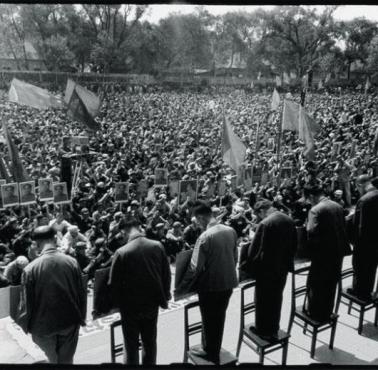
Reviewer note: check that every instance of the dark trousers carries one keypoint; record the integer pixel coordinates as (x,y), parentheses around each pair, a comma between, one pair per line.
(321,289)
(213,306)
(141,323)
(59,348)
(365,269)
(268,300)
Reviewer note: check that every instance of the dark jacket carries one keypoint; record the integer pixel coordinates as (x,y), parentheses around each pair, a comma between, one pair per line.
(272,250)
(213,263)
(326,230)
(140,276)
(365,224)
(53,296)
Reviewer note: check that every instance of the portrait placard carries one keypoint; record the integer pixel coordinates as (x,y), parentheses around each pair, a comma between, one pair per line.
(9,193)
(161,177)
(188,188)
(121,192)
(60,193)
(27,192)
(45,187)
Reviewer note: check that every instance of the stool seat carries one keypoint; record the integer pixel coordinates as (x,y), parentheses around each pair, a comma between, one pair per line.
(305,317)
(225,357)
(282,336)
(357,300)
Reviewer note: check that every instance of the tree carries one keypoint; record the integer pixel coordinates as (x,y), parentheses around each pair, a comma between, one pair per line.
(357,35)
(56,51)
(13,34)
(302,32)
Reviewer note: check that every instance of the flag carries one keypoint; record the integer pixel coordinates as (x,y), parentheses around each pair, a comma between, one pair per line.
(290,115)
(286,78)
(305,81)
(305,134)
(233,150)
(328,77)
(17,168)
(290,118)
(275,100)
(33,96)
(83,106)
(278,81)
(367,85)
(320,84)
(259,76)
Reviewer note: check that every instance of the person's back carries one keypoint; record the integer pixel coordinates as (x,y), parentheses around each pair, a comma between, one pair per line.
(53,300)
(57,303)
(140,280)
(218,244)
(365,239)
(142,261)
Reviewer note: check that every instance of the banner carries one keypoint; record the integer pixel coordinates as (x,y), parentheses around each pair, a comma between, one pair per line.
(233,150)
(275,100)
(18,171)
(33,96)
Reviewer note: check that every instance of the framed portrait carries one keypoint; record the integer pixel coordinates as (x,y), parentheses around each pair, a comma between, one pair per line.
(121,192)
(60,193)
(142,189)
(45,187)
(188,188)
(174,186)
(27,192)
(9,193)
(161,177)
(271,144)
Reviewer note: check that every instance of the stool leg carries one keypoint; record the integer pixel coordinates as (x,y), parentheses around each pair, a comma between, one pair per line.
(376,316)
(239,343)
(349,307)
(284,352)
(291,320)
(361,321)
(261,357)
(313,342)
(333,333)
(305,328)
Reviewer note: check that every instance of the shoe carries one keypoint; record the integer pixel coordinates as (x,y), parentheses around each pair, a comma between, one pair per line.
(198,352)
(268,337)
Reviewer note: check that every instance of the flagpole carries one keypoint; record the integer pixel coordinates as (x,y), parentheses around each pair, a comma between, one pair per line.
(279,148)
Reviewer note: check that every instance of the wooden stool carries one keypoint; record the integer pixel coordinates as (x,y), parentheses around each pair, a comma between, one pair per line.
(252,340)
(117,349)
(300,317)
(355,303)
(225,357)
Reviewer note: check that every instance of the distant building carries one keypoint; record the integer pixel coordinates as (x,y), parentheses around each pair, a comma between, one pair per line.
(33,61)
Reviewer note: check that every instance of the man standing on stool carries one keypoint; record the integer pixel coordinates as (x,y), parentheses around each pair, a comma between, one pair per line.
(328,244)
(212,272)
(53,299)
(365,235)
(270,258)
(140,280)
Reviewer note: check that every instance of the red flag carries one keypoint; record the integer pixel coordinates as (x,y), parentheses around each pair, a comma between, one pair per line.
(233,150)
(17,169)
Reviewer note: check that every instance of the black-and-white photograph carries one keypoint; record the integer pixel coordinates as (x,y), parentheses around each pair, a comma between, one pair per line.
(161,177)
(27,192)
(188,190)
(172,164)
(9,193)
(60,193)
(121,192)
(45,187)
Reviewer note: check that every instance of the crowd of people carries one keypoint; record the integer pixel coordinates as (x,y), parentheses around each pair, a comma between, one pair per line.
(181,132)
